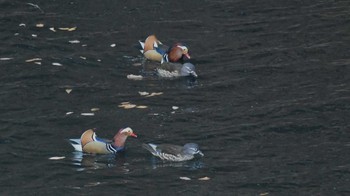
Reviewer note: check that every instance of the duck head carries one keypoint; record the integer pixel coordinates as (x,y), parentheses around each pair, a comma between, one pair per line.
(120,138)
(193,149)
(178,52)
(188,69)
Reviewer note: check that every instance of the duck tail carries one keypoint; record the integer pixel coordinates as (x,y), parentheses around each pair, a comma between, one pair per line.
(141,47)
(150,147)
(76,144)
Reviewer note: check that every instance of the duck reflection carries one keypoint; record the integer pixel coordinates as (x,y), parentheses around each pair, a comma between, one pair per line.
(93,162)
(191,165)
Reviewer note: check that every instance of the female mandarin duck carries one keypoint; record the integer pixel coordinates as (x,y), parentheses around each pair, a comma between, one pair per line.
(90,143)
(154,50)
(172,152)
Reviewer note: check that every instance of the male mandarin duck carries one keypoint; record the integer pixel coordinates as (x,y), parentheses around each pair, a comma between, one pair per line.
(154,50)
(172,152)
(90,143)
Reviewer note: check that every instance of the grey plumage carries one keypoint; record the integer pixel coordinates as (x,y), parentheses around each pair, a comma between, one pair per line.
(172,152)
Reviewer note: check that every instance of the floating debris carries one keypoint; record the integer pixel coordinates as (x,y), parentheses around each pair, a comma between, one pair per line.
(141,106)
(5,58)
(83,57)
(69,113)
(263,194)
(127,105)
(74,41)
(57,158)
(87,114)
(40,25)
(52,29)
(67,28)
(32,60)
(22,25)
(143,93)
(68,90)
(57,64)
(154,94)
(94,109)
(185,178)
(113,45)
(204,178)
(38,63)
(34,35)
(175,107)
(134,77)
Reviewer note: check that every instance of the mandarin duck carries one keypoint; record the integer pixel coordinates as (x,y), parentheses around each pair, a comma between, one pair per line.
(90,143)
(154,50)
(172,152)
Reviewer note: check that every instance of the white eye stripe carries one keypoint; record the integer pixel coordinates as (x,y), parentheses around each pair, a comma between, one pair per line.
(183,47)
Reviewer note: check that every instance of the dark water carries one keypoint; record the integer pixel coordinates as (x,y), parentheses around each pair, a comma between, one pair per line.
(270,109)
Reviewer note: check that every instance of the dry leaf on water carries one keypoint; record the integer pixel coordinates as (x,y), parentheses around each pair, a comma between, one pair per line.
(40,25)
(94,109)
(154,94)
(141,106)
(56,158)
(67,28)
(32,60)
(57,64)
(5,59)
(143,93)
(185,178)
(68,90)
(87,114)
(134,77)
(204,178)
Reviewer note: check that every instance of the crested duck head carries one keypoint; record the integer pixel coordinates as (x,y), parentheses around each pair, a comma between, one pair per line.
(120,138)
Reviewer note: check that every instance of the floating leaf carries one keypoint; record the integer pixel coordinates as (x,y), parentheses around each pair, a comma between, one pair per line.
(52,29)
(94,109)
(154,94)
(134,77)
(204,178)
(5,58)
(263,194)
(87,114)
(127,106)
(185,178)
(40,25)
(56,158)
(113,45)
(175,107)
(74,41)
(141,106)
(143,93)
(68,90)
(34,59)
(67,28)
(57,64)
